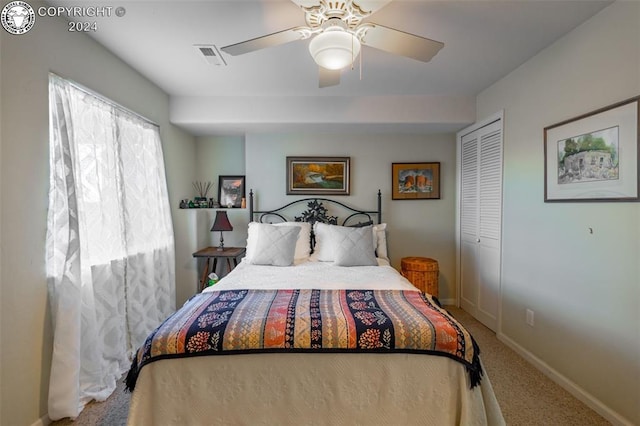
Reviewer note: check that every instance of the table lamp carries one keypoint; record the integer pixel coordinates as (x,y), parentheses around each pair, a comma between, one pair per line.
(221,224)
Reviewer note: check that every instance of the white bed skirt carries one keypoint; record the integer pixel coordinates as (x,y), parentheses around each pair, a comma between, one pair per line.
(311,389)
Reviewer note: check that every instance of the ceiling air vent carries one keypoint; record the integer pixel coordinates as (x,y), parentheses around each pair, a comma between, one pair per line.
(210,53)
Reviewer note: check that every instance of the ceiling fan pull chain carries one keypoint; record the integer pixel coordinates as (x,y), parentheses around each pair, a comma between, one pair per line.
(360,59)
(352,58)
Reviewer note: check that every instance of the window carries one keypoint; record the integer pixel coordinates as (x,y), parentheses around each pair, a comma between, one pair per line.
(110,250)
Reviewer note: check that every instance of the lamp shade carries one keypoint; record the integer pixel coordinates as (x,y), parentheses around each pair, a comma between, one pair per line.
(221,223)
(334,49)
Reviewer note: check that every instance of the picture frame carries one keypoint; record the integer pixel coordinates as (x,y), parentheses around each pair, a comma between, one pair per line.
(231,191)
(594,157)
(318,175)
(415,181)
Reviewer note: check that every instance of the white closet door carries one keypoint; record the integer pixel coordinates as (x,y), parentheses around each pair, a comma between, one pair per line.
(480,219)
(469,222)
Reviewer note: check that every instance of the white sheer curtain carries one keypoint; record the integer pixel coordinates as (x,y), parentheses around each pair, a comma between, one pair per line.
(110,249)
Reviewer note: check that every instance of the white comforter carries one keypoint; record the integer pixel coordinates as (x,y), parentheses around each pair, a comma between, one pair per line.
(315,275)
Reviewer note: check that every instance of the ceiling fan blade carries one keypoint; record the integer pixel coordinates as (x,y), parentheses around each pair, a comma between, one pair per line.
(270,40)
(328,77)
(369,6)
(399,42)
(306,3)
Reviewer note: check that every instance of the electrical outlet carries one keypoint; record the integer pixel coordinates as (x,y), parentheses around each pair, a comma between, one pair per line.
(530,317)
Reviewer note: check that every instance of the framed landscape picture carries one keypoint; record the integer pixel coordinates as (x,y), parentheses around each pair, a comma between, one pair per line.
(415,181)
(318,175)
(594,157)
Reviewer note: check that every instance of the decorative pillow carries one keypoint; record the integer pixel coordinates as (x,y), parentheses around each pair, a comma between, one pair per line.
(303,243)
(275,245)
(324,248)
(353,246)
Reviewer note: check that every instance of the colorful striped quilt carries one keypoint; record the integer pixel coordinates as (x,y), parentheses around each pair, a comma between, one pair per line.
(246,321)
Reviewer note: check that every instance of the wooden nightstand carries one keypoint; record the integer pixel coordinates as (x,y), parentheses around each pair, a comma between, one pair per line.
(422,272)
(229,253)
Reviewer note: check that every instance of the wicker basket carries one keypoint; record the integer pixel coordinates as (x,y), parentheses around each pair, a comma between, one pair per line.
(422,272)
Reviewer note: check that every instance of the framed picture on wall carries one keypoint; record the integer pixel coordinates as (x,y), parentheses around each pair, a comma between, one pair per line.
(415,181)
(231,191)
(318,175)
(594,157)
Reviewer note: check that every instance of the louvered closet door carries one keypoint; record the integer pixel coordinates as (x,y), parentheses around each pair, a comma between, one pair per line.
(480,221)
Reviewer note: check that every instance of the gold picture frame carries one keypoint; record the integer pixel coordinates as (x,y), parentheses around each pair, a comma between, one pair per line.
(415,181)
(318,175)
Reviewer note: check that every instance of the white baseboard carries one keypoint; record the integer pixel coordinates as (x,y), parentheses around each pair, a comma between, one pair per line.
(42,421)
(575,390)
(447,302)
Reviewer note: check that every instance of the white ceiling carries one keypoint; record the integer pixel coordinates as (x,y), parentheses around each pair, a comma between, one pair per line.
(484,41)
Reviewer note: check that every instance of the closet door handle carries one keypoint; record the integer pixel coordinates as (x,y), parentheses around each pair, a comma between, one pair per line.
(477,240)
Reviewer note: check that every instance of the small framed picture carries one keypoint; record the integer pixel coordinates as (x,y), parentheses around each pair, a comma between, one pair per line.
(318,175)
(594,157)
(231,191)
(415,181)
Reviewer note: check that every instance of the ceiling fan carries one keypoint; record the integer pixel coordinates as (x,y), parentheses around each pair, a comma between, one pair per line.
(337,32)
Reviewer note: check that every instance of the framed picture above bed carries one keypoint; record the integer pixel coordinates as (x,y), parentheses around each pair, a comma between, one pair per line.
(318,175)
(594,157)
(415,181)
(231,191)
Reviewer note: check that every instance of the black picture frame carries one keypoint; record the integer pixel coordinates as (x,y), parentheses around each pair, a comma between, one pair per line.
(231,191)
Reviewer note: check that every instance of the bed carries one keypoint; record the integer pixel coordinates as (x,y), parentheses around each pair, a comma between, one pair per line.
(313,327)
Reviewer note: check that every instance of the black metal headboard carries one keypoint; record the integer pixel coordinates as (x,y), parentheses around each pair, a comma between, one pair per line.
(317,212)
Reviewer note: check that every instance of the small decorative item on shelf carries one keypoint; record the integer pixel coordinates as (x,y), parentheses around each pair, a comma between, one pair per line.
(202,188)
(243,204)
(184,204)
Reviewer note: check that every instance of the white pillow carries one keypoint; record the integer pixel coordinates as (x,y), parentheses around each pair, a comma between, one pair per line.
(303,243)
(353,246)
(324,251)
(275,245)
(380,240)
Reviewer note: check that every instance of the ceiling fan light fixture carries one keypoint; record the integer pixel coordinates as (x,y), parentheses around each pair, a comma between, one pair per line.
(334,49)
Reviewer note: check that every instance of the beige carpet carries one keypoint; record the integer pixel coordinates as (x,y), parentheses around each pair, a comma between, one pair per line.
(526,396)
